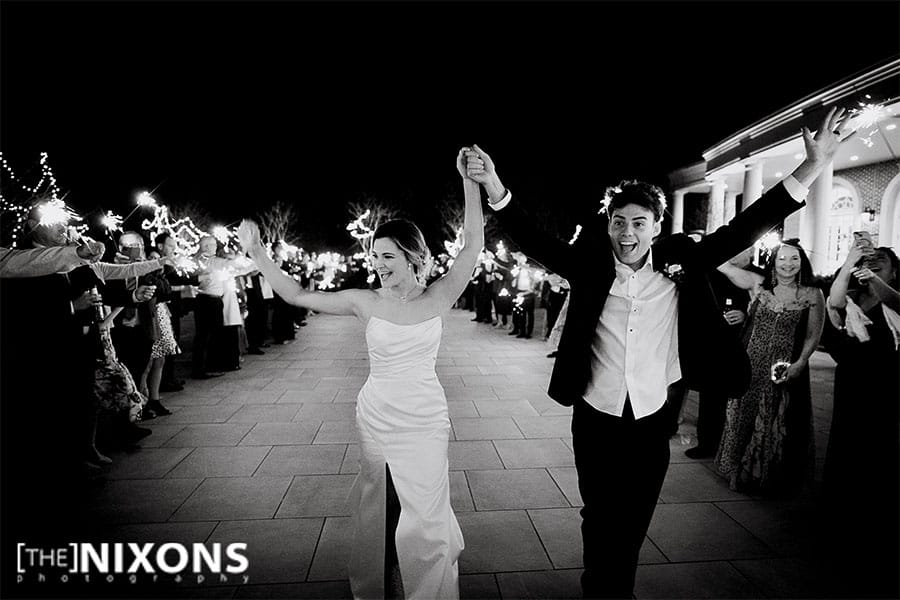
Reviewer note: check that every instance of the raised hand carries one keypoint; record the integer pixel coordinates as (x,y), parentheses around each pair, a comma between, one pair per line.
(479,166)
(248,235)
(461,162)
(835,128)
(857,252)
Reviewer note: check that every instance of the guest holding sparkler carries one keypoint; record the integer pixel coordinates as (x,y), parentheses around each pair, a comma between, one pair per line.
(406,540)
(767,444)
(641,317)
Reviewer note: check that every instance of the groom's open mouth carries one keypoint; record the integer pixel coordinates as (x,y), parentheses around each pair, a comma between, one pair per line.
(627,247)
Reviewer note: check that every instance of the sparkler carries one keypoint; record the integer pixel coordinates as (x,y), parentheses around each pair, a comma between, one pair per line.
(111,221)
(575,237)
(55,212)
(221,233)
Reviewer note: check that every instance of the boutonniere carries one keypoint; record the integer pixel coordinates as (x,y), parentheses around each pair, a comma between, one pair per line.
(674,272)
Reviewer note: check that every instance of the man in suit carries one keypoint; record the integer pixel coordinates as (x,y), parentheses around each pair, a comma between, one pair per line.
(639,319)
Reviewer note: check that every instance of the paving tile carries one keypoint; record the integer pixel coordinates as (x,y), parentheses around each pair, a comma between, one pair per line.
(699,532)
(521,454)
(162,433)
(229,498)
(139,500)
(545,427)
(279,413)
(303,460)
(327,412)
(252,397)
(225,461)
(541,584)
(505,408)
(784,577)
(317,496)
(278,551)
(692,580)
(692,482)
(297,591)
(567,480)
(337,432)
(201,414)
(207,434)
(519,488)
(462,409)
(460,496)
(157,533)
(560,532)
(474,455)
(281,434)
(787,527)
(288,383)
(478,587)
(146,463)
(333,551)
(350,463)
(491,380)
(550,408)
(306,396)
(485,429)
(500,540)
(460,392)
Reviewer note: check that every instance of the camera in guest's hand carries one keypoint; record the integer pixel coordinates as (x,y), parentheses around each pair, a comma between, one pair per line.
(133,252)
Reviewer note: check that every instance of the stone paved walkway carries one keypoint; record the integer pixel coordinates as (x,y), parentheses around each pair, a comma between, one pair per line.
(267,455)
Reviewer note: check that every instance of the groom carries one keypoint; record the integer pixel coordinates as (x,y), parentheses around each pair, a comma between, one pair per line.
(641,316)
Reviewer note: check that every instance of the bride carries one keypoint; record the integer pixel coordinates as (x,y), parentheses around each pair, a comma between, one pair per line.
(406,540)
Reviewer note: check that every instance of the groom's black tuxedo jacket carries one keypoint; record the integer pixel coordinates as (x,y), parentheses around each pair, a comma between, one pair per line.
(712,358)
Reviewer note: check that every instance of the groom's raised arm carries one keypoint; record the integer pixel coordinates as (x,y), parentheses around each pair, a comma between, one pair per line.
(550,251)
(783,199)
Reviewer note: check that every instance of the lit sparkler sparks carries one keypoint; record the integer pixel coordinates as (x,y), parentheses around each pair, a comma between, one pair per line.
(145,199)
(55,212)
(111,221)
(575,237)
(221,233)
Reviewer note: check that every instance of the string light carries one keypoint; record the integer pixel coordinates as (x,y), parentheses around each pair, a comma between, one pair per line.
(575,237)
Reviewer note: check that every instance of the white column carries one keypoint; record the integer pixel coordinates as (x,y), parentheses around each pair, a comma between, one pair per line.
(730,205)
(753,181)
(814,219)
(716,210)
(677,211)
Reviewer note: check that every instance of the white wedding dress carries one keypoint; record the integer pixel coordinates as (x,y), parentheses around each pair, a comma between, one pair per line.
(403,422)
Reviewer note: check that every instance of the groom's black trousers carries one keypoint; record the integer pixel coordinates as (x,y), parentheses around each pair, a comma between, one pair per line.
(621,466)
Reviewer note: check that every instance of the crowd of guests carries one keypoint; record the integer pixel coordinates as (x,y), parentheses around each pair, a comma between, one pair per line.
(91,336)
(506,289)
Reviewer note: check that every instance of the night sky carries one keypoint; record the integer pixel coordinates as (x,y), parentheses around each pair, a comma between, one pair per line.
(238,105)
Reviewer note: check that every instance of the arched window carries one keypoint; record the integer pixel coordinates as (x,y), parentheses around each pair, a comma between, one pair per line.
(842,221)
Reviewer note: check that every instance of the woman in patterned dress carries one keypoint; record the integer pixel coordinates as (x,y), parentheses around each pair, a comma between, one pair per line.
(767,445)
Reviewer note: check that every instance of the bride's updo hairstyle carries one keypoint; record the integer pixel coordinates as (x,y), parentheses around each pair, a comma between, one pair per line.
(408,238)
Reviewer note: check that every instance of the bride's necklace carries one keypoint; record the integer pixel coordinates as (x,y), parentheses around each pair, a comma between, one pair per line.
(403,297)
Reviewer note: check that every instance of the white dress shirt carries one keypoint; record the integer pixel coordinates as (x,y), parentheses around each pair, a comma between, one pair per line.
(634,353)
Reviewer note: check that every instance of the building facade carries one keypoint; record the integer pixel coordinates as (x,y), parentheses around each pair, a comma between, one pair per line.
(859,191)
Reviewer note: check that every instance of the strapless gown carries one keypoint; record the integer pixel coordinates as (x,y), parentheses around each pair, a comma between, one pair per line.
(403,423)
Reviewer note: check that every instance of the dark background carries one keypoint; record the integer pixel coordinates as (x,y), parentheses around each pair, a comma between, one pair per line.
(237,105)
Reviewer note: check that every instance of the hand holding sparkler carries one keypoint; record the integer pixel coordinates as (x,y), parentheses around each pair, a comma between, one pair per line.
(90,250)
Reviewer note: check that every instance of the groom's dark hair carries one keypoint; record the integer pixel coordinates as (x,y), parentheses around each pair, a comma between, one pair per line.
(643,194)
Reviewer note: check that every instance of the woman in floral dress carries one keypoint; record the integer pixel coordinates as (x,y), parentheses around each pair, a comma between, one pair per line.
(767,445)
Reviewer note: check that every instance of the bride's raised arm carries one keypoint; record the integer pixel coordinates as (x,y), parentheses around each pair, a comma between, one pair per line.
(345,302)
(448,289)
